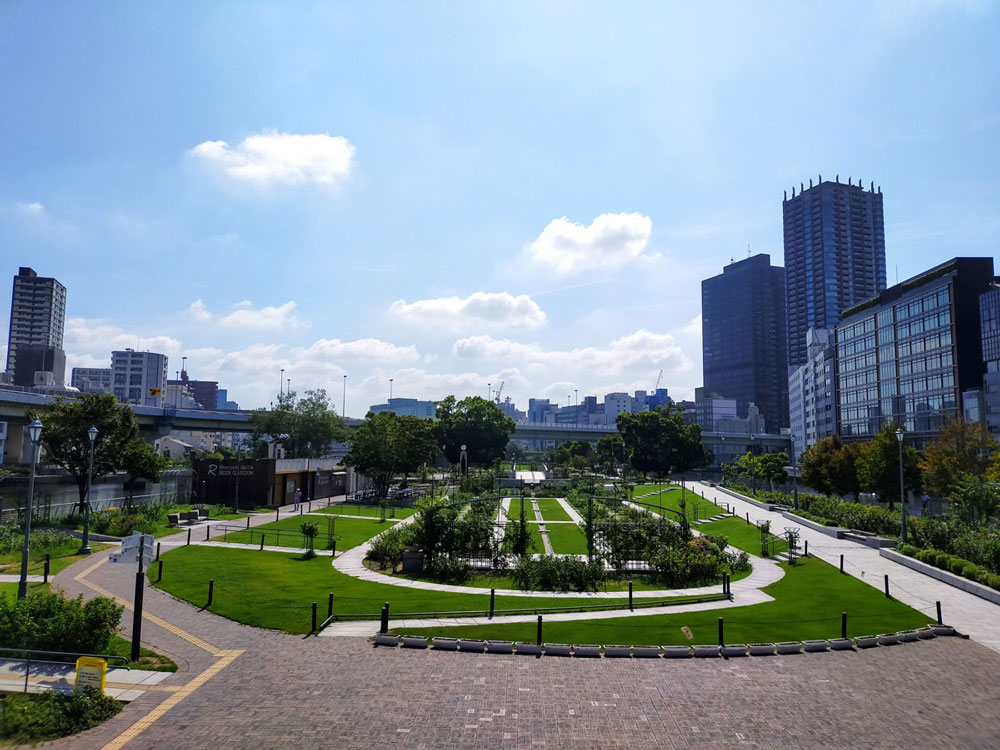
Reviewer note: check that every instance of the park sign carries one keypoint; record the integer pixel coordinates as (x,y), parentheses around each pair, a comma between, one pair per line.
(90,672)
(130,549)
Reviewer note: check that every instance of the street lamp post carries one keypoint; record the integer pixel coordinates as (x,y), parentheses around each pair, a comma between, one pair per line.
(902,491)
(795,476)
(85,546)
(753,463)
(35,434)
(343,408)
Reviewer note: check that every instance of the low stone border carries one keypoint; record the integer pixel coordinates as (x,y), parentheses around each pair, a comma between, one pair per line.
(984,592)
(728,651)
(835,531)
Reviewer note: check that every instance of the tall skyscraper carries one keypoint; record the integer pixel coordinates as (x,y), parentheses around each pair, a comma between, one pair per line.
(139,377)
(37,317)
(834,255)
(744,338)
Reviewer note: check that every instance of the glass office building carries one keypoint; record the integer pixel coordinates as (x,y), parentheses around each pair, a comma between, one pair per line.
(908,355)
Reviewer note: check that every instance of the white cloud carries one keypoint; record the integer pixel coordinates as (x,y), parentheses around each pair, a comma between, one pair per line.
(96,338)
(611,241)
(477,311)
(198,311)
(245,318)
(29,209)
(282,158)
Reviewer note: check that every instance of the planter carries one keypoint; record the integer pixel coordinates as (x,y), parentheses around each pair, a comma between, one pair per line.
(707,651)
(441,643)
(677,652)
(888,639)
(841,644)
(587,651)
(646,652)
(414,641)
(813,647)
(528,649)
(866,641)
(944,630)
(924,633)
(908,636)
(620,652)
(499,647)
(789,647)
(469,644)
(558,649)
(385,639)
(762,649)
(734,649)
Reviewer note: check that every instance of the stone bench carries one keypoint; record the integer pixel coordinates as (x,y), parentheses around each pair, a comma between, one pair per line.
(173,519)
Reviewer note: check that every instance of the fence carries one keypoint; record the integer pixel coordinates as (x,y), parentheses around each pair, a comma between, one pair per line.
(43,510)
(278,537)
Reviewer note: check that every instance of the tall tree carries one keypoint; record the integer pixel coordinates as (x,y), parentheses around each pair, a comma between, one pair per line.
(386,444)
(830,467)
(305,427)
(878,466)
(476,423)
(660,442)
(771,467)
(67,444)
(961,448)
(973,500)
(611,452)
(843,470)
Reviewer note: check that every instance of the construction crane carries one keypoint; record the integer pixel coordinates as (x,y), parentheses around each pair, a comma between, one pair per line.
(658,379)
(498,391)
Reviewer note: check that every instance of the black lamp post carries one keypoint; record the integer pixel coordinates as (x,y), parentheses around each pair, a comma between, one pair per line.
(35,435)
(795,475)
(85,544)
(902,491)
(753,463)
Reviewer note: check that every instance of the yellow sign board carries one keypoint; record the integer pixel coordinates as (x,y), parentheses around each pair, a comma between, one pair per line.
(90,672)
(155,391)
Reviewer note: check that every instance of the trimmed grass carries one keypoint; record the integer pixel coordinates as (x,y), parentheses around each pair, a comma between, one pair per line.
(60,558)
(371,511)
(350,532)
(550,508)
(147,659)
(808,602)
(567,539)
(740,534)
(35,717)
(276,590)
(10,589)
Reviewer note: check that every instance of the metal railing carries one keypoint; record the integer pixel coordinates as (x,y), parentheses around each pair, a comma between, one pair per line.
(28,659)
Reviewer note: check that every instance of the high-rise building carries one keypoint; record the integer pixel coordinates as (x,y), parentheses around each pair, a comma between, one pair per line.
(139,377)
(709,408)
(744,337)
(989,317)
(812,402)
(37,318)
(407,407)
(914,353)
(834,255)
(92,379)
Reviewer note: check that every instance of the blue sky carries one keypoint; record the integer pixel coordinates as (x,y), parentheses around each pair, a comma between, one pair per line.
(454,194)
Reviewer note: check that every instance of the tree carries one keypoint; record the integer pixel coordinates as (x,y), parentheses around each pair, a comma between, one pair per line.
(309,530)
(306,426)
(386,444)
(141,461)
(830,467)
(771,467)
(878,466)
(973,500)
(475,423)
(961,448)
(67,444)
(660,442)
(611,452)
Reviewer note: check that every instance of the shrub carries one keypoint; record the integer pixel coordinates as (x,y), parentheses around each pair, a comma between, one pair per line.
(907,549)
(956,565)
(387,548)
(449,569)
(993,581)
(970,571)
(50,715)
(48,622)
(557,574)
(941,559)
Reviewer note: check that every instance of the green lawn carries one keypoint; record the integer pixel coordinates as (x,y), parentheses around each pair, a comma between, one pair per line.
(808,602)
(740,534)
(550,508)
(371,511)
(350,532)
(671,498)
(60,558)
(567,539)
(276,590)
(10,589)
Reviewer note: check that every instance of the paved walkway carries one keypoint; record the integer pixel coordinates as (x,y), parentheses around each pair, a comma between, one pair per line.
(973,616)
(16,578)
(123,684)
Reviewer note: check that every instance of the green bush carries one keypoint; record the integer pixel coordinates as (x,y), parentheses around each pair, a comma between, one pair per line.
(956,565)
(941,559)
(125,521)
(970,571)
(907,549)
(48,622)
(387,548)
(554,573)
(449,569)
(47,716)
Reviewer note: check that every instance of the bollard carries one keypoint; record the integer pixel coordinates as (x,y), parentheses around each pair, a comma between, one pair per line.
(189,536)
(277,512)
(208,530)
(841,563)
(248,522)
(45,571)
(211,591)
(157,550)
(631,608)
(493,596)
(329,606)
(806,553)
(887,586)
(262,542)
(384,625)
(843,624)
(159,571)
(538,638)
(940,621)
(314,619)
(748,516)
(721,639)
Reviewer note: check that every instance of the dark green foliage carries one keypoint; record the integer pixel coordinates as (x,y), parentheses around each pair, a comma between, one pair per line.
(878,465)
(297,423)
(47,716)
(554,573)
(448,570)
(476,423)
(387,548)
(125,521)
(48,622)
(385,445)
(658,441)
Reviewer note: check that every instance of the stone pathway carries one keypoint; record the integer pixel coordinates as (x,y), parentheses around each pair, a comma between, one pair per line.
(542,528)
(973,616)
(124,684)
(16,578)
(570,510)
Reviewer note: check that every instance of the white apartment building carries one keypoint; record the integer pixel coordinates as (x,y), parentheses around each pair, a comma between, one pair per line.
(139,377)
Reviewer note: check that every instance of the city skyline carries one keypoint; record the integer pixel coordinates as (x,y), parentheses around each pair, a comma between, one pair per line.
(382,213)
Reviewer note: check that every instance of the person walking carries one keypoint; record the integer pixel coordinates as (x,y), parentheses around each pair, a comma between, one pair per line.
(298,498)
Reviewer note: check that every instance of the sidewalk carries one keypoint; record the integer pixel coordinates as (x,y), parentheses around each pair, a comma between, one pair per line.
(123,684)
(972,616)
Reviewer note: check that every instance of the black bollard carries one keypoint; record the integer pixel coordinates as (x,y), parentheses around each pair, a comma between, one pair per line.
(211,591)
(631,608)
(262,542)
(887,586)
(843,624)
(721,639)
(159,571)
(314,619)
(940,621)
(277,512)
(806,553)
(248,522)
(208,530)
(841,563)
(157,550)
(329,606)
(748,516)
(539,636)
(189,536)
(45,570)
(384,625)
(493,596)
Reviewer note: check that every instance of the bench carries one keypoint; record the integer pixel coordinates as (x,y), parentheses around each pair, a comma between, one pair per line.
(191,516)
(173,519)
(202,513)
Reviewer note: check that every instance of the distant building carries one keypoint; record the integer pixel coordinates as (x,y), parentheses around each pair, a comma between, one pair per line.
(40,364)
(743,337)
(509,409)
(204,392)
(91,379)
(407,407)
(913,353)
(37,319)
(615,404)
(542,411)
(753,424)
(710,409)
(834,240)
(989,316)
(139,377)
(812,397)
(222,402)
